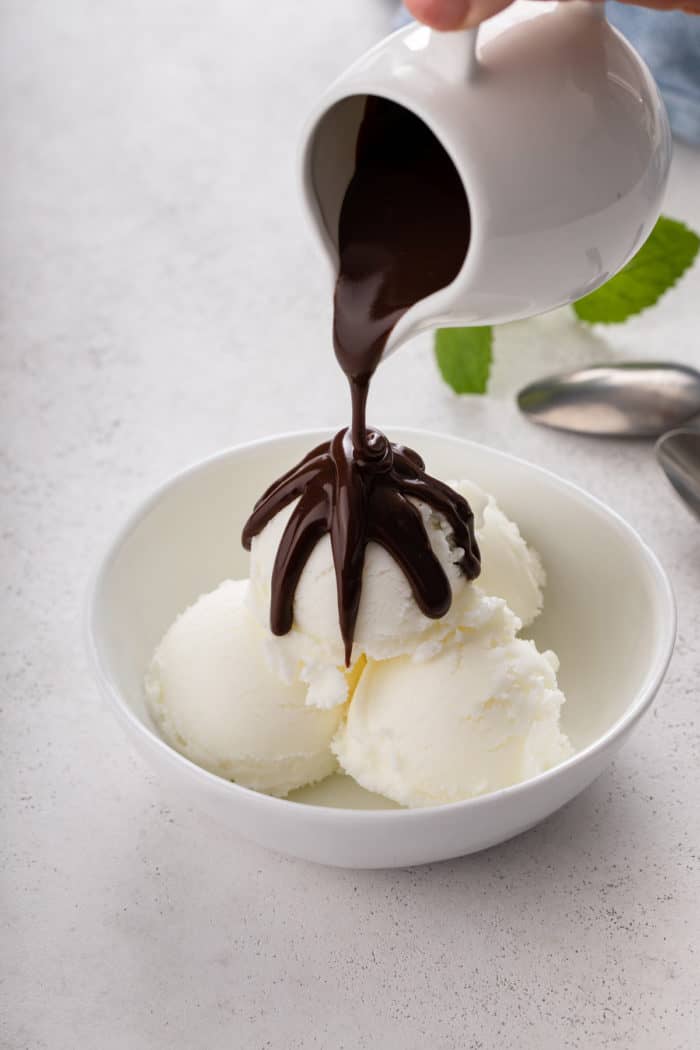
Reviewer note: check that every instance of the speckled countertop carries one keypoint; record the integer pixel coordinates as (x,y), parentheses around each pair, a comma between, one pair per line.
(159,286)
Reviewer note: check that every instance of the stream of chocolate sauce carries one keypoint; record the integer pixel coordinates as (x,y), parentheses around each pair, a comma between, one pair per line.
(403,234)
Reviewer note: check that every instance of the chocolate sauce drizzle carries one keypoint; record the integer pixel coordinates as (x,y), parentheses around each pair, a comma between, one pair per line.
(403,234)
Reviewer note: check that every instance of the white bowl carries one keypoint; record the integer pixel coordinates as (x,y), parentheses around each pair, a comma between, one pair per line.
(609,615)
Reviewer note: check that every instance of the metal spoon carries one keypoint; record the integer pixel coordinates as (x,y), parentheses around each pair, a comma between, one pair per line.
(635,399)
(678,452)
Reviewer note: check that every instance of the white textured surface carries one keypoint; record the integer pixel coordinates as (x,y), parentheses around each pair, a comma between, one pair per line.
(159,288)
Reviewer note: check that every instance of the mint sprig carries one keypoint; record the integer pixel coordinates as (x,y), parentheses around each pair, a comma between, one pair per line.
(464,355)
(464,358)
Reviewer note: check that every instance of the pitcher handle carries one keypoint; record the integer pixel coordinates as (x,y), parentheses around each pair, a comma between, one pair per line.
(453,55)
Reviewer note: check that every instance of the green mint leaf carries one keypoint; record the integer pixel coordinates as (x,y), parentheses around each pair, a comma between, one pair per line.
(464,358)
(662,259)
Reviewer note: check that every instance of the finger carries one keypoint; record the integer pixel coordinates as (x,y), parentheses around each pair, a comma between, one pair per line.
(464,14)
(454,14)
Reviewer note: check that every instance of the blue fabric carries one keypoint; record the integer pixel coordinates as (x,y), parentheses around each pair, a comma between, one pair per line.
(669,42)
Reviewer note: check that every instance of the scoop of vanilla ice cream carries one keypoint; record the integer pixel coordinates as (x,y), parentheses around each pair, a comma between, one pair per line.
(389,622)
(215,699)
(474,718)
(510,569)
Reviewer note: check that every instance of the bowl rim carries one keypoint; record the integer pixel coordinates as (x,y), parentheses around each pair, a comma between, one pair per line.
(312,811)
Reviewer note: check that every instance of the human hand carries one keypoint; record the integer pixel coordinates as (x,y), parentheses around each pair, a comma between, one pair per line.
(464,14)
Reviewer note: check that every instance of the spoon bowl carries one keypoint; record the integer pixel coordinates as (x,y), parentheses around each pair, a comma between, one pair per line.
(678,453)
(634,399)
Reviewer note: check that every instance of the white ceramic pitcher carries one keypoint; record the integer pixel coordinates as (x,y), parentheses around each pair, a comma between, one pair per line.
(559,135)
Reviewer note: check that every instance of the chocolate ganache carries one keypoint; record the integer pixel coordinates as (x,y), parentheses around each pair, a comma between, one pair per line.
(403,234)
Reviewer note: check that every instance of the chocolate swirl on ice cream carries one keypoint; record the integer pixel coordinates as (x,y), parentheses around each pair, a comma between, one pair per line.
(403,234)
